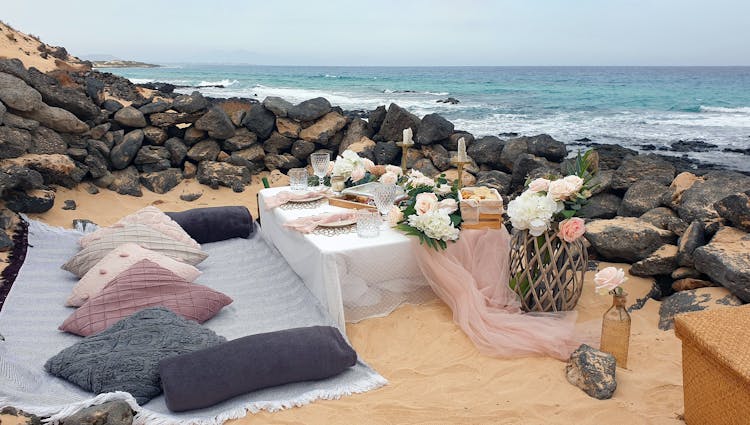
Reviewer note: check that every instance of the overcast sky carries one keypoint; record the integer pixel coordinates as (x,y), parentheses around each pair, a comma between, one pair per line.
(396,32)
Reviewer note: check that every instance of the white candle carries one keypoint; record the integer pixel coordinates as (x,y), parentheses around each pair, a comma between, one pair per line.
(408,137)
(462,157)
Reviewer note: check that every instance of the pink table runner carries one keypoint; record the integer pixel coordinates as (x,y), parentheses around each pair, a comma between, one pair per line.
(472,277)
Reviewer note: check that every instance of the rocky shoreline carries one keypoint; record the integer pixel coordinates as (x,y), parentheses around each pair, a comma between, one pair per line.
(686,226)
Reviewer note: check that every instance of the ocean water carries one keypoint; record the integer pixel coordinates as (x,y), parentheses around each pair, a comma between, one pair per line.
(644,108)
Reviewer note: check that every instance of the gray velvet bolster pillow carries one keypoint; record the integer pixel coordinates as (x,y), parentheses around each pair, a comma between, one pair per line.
(206,377)
(215,224)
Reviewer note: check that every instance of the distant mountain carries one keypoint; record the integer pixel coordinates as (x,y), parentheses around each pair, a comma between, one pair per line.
(32,51)
(98,57)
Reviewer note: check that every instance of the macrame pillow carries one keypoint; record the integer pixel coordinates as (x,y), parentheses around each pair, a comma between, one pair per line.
(142,285)
(151,217)
(117,261)
(126,356)
(139,234)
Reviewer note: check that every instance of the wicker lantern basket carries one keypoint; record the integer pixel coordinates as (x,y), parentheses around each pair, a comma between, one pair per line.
(546,271)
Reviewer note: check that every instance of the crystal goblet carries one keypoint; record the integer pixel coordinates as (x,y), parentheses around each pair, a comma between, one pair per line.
(319,162)
(384,196)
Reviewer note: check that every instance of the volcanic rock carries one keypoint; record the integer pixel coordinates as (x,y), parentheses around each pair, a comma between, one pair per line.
(189,104)
(308,110)
(642,167)
(487,151)
(694,300)
(14,142)
(642,196)
(277,105)
(626,239)
(661,262)
(18,95)
(213,173)
(697,202)
(126,182)
(726,260)
(217,123)
(57,119)
(46,141)
(260,121)
(735,209)
(602,205)
(396,121)
(205,150)
(130,117)
(433,128)
(34,201)
(324,128)
(123,153)
(592,371)
(162,181)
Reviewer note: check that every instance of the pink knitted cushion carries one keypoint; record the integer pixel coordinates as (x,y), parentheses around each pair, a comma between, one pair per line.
(144,284)
(116,262)
(150,216)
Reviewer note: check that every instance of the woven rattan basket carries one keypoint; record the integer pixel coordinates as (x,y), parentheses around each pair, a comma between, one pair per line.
(716,365)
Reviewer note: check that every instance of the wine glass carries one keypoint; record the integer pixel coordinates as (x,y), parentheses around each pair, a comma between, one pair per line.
(384,196)
(319,162)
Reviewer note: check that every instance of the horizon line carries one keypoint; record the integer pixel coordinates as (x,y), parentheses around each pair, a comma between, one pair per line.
(164,64)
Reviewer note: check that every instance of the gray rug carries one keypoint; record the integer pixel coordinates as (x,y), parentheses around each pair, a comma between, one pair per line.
(267,295)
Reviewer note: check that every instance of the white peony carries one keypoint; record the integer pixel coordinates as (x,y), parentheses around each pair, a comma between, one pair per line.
(347,163)
(435,224)
(532,211)
(394,169)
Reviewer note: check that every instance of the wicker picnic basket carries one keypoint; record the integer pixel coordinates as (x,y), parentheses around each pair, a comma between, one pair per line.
(716,365)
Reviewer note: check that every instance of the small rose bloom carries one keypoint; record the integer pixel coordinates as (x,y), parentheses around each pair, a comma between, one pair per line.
(394,169)
(609,278)
(358,173)
(425,203)
(575,181)
(560,190)
(539,185)
(368,164)
(394,215)
(377,170)
(448,206)
(388,178)
(572,229)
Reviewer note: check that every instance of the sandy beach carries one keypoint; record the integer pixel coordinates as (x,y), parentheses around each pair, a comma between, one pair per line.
(435,373)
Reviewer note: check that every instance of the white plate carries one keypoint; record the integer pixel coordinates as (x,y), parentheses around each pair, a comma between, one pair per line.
(301,201)
(340,223)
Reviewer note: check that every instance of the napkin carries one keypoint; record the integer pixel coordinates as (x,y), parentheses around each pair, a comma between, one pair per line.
(308,224)
(282,198)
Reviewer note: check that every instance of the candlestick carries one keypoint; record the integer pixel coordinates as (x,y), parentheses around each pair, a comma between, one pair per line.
(460,166)
(462,151)
(407,138)
(405,144)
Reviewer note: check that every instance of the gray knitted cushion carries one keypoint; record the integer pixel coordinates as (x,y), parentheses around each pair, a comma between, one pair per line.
(126,356)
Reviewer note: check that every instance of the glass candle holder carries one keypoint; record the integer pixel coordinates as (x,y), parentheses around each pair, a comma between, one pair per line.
(298,179)
(338,183)
(368,223)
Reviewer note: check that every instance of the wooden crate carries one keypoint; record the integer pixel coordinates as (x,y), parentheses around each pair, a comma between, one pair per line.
(345,203)
(484,214)
(484,224)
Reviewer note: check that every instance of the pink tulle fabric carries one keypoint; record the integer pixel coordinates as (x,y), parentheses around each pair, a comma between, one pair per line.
(282,198)
(308,224)
(472,277)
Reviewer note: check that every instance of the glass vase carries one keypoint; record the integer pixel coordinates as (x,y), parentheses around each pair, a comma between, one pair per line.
(616,330)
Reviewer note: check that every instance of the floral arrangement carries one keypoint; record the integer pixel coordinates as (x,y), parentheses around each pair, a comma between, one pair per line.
(609,280)
(431,211)
(548,200)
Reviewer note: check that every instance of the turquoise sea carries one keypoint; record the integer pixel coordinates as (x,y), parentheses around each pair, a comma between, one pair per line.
(644,108)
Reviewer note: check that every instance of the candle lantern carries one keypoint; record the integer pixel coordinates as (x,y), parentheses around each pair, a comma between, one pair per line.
(405,144)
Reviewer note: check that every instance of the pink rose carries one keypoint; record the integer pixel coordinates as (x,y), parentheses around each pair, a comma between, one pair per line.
(425,203)
(358,173)
(394,215)
(394,169)
(560,190)
(388,178)
(575,181)
(572,229)
(608,279)
(539,185)
(448,205)
(368,164)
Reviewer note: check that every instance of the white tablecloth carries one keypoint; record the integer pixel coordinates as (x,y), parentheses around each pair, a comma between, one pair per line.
(354,278)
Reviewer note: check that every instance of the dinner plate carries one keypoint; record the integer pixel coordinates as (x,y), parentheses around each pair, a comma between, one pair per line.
(340,223)
(300,201)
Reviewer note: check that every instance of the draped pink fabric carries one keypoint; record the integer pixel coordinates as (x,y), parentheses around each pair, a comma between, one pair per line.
(282,198)
(472,277)
(308,224)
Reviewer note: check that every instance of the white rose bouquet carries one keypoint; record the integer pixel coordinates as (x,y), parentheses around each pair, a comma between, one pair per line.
(353,168)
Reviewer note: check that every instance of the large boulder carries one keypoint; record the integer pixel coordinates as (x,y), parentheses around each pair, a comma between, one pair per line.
(665,218)
(282,162)
(125,182)
(433,128)
(592,371)
(324,128)
(155,135)
(546,146)
(376,118)
(260,121)
(626,239)
(439,156)
(487,151)
(278,106)
(528,166)
(213,173)
(396,121)
(217,123)
(277,144)
(612,156)
(35,201)
(451,143)
(13,120)
(602,205)
(161,181)
(123,153)
(663,261)
(151,155)
(57,119)
(46,141)
(386,153)
(642,196)
(254,154)
(177,150)
(242,139)
(309,110)
(365,148)
(494,179)
(130,117)
(694,300)
(302,149)
(642,167)
(726,260)
(735,209)
(288,128)
(697,202)
(357,129)
(512,150)
(18,95)
(205,150)
(155,107)
(14,142)
(71,99)
(97,164)
(55,168)
(19,177)
(170,118)
(693,237)
(189,104)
